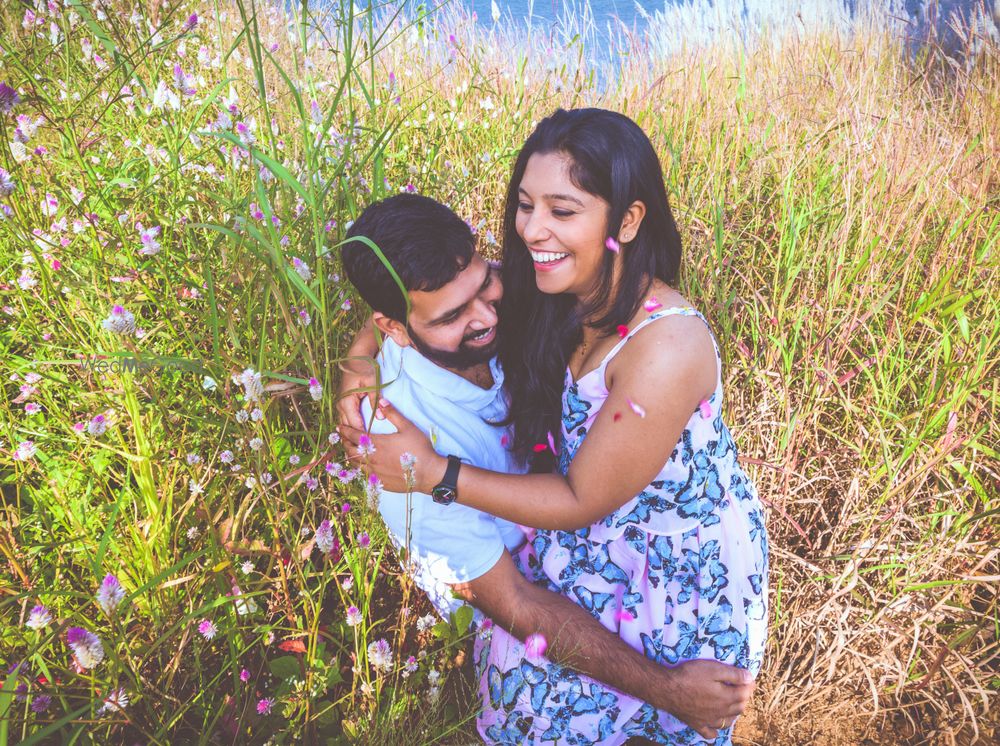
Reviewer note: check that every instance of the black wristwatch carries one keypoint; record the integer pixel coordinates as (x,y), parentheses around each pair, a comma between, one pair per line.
(446,492)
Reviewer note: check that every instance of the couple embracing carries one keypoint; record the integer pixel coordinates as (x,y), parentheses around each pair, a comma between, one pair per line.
(551,444)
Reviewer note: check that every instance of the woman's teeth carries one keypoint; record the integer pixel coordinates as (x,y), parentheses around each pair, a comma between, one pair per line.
(547,257)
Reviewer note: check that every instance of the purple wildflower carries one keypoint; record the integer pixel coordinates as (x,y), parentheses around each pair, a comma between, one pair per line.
(86,646)
(8,98)
(41,703)
(97,425)
(191,23)
(364,540)
(264,706)
(380,655)
(315,389)
(207,629)
(38,618)
(6,183)
(110,594)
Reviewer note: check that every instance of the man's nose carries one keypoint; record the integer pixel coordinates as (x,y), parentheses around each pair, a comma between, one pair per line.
(486,314)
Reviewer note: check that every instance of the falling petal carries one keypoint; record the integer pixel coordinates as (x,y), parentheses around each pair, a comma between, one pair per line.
(535,646)
(652,304)
(552,444)
(539,447)
(612,245)
(636,408)
(622,331)
(706,409)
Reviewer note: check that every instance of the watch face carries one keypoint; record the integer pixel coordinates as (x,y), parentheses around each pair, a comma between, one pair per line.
(443,495)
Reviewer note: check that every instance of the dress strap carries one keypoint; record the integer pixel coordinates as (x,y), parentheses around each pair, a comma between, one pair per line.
(672,311)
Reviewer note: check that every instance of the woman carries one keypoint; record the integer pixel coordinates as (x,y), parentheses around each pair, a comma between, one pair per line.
(648,521)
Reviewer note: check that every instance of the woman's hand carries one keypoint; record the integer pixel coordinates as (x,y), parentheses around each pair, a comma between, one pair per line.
(404,461)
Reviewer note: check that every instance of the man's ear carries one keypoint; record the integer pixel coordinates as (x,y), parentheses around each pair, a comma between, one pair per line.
(396,330)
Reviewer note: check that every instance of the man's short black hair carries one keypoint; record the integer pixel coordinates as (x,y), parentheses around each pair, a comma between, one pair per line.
(426,243)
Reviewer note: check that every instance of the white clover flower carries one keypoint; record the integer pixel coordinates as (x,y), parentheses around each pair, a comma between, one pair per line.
(226,457)
(380,655)
(425,622)
(256,444)
(324,537)
(354,616)
(302,269)
(120,321)
(252,386)
(315,389)
(256,415)
(195,487)
(117,701)
(25,450)
(192,459)
(242,416)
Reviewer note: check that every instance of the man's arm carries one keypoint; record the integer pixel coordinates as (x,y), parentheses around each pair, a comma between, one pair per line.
(704,694)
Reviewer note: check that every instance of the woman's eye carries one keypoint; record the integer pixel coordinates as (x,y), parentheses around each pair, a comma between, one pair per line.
(562,213)
(523,206)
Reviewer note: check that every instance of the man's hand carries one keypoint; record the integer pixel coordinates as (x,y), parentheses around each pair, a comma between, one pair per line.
(357,377)
(707,695)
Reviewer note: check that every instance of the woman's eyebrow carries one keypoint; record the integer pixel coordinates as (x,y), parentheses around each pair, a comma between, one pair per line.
(552,197)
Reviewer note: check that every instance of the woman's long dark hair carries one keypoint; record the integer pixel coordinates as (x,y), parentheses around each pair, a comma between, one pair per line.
(611,158)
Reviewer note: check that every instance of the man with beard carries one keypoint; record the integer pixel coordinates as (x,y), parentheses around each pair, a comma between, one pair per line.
(437,366)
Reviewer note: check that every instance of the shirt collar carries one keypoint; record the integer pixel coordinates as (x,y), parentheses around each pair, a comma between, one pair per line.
(407,361)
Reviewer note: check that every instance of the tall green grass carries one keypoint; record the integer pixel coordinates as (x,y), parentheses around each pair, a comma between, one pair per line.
(840,212)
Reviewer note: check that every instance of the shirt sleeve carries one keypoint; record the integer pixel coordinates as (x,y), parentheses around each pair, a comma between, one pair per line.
(450,543)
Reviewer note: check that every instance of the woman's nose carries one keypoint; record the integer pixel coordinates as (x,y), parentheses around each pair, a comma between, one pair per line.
(534,229)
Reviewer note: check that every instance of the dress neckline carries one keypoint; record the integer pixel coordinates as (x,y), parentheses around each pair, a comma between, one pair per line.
(659,313)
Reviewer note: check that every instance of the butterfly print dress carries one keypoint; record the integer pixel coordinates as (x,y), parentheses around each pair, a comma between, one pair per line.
(679,572)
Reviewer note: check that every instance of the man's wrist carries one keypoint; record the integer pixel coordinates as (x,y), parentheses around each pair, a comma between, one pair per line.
(435,472)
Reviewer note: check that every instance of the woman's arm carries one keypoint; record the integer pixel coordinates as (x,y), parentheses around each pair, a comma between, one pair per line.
(658,380)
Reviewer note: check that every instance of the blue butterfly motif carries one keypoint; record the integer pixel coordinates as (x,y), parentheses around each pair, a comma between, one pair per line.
(593,602)
(541,544)
(512,731)
(506,687)
(661,559)
(739,486)
(698,500)
(725,447)
(722,636)
(757,530)
(579,563)
(753,608)
(575,409)
(687,575)
(646,723)
(684,447)
(652,645)
(717,570)
(607,569)
(756,582)
(635,539)
(645,504)
(687,646)
(566,539)
(630,600)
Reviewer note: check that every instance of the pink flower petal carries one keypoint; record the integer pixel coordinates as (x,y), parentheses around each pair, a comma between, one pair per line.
(535,646)
(652,304)
(552,444)
(622,331)
(636,408)
(706,409)
(612,245)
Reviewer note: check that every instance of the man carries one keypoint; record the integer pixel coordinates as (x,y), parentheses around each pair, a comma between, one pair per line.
(438,368)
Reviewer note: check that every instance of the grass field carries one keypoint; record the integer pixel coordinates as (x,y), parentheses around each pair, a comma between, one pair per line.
(188,558)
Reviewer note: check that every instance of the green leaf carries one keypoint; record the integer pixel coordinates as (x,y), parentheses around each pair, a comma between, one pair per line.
(285,667)
(463,618)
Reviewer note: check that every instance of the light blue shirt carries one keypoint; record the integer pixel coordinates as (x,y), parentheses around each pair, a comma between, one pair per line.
(447,543)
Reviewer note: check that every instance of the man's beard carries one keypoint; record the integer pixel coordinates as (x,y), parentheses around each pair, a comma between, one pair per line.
(461,359)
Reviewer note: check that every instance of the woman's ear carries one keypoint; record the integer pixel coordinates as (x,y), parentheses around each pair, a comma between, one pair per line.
(631,222)
(396,330)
